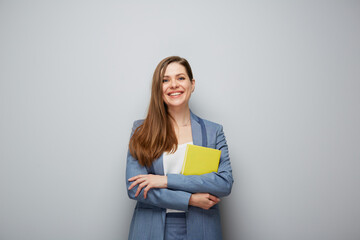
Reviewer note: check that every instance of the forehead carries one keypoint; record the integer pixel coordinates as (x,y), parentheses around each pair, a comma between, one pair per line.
(174,69)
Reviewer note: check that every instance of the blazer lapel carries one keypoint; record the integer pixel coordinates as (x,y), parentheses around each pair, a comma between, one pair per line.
(196,129)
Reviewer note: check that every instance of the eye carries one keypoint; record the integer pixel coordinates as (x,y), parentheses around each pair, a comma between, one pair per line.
(182,78)
(165,80)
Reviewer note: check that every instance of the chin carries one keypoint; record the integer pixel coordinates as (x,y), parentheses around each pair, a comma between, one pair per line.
(175,105)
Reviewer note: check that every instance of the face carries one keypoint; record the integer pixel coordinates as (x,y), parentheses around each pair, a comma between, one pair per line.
(177,87)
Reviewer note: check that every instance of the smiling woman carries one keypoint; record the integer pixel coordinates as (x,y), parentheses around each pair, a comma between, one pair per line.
(169,204)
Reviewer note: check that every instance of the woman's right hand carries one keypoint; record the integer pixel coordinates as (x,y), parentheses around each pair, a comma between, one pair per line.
(203,200)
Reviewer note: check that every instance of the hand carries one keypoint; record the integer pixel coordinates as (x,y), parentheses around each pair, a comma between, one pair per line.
(148,181)
(203,200)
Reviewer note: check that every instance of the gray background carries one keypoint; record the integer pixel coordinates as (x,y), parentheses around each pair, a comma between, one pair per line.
(282,77)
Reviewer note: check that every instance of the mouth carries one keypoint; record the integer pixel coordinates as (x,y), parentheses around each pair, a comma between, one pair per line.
(175,94)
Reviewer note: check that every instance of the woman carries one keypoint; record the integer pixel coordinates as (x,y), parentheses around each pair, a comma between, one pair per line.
(169,204)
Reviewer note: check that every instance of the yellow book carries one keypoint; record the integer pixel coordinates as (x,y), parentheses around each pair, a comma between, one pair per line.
(200,160)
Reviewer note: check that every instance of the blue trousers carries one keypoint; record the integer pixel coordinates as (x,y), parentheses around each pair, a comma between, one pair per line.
(175,226)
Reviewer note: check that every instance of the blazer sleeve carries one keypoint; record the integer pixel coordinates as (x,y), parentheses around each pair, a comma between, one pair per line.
(216,183)
(160,197)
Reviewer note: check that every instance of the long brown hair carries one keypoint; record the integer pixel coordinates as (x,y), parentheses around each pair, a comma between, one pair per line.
(156,134)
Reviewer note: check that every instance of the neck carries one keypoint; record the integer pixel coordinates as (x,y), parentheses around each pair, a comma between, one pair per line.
(180,115)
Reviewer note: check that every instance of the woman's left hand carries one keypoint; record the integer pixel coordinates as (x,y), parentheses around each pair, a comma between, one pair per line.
(148,181)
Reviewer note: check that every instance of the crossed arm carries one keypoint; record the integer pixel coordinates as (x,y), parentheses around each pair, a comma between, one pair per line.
(177,191)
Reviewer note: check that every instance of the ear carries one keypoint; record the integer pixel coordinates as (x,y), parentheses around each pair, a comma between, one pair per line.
(192,85)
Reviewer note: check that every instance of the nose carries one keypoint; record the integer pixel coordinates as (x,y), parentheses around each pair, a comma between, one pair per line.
(174,83)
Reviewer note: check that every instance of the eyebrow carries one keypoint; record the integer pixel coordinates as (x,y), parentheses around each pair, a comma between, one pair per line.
(176,74)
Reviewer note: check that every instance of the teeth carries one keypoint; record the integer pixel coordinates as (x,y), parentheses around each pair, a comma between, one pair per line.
(175,94)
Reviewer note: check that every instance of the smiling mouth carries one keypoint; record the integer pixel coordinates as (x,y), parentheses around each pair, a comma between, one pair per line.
(175,94)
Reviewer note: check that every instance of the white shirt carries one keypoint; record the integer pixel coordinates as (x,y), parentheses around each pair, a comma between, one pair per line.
(173,163)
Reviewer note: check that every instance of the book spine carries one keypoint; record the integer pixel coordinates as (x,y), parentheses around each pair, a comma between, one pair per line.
(184,162)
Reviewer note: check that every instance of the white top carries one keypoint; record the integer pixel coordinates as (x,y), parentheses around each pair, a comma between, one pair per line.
(173,163)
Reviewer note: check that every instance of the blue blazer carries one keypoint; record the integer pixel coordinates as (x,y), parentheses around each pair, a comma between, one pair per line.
(148,221)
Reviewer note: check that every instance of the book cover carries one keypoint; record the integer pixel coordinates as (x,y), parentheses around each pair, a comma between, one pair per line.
(200,160)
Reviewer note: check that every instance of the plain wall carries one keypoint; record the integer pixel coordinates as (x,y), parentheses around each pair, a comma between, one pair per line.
(282,77)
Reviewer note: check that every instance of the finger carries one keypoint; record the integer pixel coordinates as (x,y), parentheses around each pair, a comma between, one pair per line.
(146,190)
(139,188)
(136,182)
(132,185)
(208,205)
(211,203)
(213,198)
(134,178)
